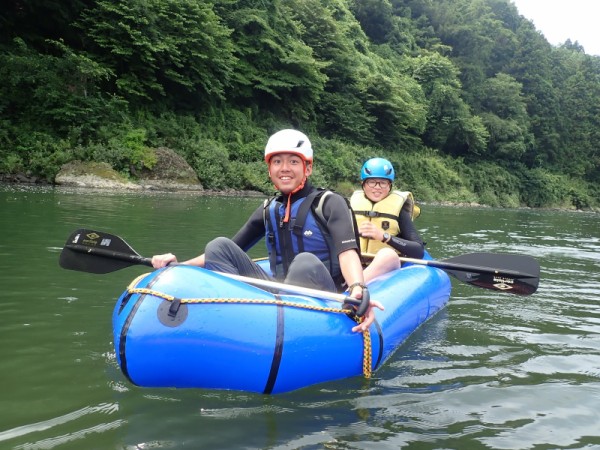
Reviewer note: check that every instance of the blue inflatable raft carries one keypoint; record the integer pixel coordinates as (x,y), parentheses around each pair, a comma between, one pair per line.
(187,327)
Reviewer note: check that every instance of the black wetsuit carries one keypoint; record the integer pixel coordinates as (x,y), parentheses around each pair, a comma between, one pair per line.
(307,270)
(409,242)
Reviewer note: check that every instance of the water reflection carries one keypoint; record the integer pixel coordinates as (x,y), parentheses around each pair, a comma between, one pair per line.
(492,370)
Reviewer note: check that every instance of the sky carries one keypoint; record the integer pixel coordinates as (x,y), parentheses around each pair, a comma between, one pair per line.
(559,20)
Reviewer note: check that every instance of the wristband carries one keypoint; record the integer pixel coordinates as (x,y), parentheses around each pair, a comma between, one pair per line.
(353,285)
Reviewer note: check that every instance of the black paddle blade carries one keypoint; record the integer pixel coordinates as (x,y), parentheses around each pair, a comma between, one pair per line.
(514,274)
(98,252)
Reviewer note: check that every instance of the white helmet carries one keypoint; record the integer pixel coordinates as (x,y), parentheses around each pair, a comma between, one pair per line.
(289,141)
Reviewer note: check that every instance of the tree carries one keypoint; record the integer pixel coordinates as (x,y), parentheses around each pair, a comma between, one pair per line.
(450,124)
(275,69)
(342,49)
(503,110)
(161,50)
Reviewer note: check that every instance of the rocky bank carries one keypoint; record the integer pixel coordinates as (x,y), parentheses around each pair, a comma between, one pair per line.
(171,172)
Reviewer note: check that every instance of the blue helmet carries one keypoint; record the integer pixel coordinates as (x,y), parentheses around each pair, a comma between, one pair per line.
(377,168)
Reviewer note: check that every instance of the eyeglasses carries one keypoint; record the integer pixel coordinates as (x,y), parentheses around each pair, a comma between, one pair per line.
(374,183)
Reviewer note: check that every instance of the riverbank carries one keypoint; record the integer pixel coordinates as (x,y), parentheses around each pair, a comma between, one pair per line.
(90,186)
(102,188)
(173,174)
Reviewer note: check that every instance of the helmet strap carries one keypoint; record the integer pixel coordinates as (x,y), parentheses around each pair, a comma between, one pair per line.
(288,207)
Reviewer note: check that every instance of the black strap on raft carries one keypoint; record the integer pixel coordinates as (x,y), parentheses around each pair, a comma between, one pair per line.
(172,313)
(278,349)
(365,301)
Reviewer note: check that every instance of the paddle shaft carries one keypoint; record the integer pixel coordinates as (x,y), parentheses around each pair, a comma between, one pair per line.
(136,259)
(132,258)
(465,267)
(99,252)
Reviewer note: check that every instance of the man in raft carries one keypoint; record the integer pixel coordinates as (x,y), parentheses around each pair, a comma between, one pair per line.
(310,233)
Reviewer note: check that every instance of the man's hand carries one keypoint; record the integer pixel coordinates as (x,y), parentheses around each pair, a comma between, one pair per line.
(369,317)
(159,261)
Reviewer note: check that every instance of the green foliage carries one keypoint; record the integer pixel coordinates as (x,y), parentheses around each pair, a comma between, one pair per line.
(336,161)
(210,159)
(493,185)
(397,103)
(249,176)
(55,93)
(39,154)
(544,189)
(376,18)
(275,67)
(12,163)
(156,48)
(136,151)
(342,49)
(431,177)
(124,148)
(450,124)
(465,96)
(239,132)
(236,130)
(504,115)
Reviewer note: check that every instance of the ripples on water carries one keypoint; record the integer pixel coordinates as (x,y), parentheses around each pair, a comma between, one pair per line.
(492,370)
(529,366)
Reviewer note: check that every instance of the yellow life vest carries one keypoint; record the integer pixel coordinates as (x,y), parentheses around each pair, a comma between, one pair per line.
(384,214)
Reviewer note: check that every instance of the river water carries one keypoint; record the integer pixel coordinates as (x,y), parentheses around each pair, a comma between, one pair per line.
(492,370)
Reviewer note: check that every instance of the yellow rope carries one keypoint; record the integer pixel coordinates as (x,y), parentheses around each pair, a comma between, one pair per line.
(366,335)
(367,354)
(170,298)
(134,282)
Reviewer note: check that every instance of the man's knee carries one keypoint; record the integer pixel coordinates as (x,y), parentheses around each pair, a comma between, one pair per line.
(306,263)
(309,271)
(218,246)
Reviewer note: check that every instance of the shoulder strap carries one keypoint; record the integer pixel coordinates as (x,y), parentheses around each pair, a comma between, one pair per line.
(270,235)
(303,210)
(266,216)
(320,216)
(319,207)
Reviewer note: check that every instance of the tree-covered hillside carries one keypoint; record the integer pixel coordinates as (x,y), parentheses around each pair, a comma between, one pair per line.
(466,97)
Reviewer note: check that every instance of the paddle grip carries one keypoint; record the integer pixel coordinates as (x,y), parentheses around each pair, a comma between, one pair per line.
(365,302)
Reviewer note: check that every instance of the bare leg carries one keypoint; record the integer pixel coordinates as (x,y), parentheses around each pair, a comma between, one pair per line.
(385,261)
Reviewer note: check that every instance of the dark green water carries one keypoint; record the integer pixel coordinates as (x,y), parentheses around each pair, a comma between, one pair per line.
(490,371)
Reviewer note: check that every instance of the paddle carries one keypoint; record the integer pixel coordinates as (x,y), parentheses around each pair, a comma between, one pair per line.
(515,274)
(98,252)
